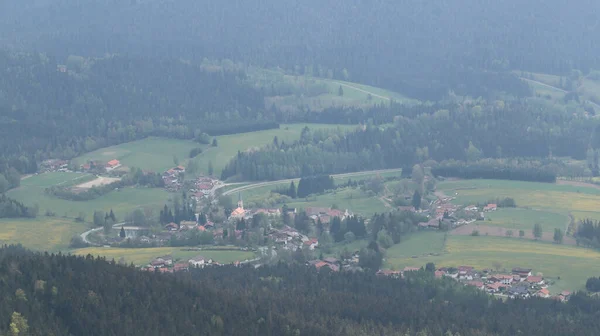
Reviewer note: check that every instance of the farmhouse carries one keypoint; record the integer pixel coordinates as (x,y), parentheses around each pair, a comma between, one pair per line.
(522,272)
(543,293)
(112,164)
(518,291)
(476,284)
(311,244)
(502,278)
(490,207)
(535,280)
(199,261)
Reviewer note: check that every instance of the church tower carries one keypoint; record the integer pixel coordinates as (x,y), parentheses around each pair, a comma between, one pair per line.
(240,201)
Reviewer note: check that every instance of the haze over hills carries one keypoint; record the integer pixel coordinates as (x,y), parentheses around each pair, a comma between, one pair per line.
(299,167)
(404,45)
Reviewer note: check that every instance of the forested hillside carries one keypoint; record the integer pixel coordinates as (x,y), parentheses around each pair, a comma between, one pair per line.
(467,131)
(419,47)
(46,113)
(67,295)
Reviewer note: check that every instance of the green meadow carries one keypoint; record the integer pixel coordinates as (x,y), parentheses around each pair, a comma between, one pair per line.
(574,265)
(142,256)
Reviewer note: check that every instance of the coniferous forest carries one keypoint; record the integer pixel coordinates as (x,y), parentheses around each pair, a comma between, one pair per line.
(46,294)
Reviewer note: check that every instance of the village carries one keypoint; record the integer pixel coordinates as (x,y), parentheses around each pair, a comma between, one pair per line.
(519,283)
(441,213)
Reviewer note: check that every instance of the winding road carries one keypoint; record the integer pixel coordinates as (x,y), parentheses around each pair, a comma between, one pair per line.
(270,183)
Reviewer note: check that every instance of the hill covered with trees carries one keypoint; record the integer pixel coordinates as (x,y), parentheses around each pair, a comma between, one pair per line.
(467,131)
(68,295)
(421,48)
(47,111)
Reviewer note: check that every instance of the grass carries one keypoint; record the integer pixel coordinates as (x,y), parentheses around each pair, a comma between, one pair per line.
(545,196)
(46,180)
(354,200)
(417,244)
(122,201)
(142,256)
(525,219)
(153,154)
(229,145)
(40,234)
(318,93)
(573,265)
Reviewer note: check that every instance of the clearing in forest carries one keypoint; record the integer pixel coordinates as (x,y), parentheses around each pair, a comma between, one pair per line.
(142,256)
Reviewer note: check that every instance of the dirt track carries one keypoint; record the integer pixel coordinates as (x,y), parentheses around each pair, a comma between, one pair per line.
(98,182)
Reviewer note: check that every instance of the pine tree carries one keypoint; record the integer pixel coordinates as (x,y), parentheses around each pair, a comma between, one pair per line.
(122,232)
(292,192)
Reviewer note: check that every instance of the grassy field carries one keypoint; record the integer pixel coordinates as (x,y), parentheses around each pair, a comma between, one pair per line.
(153,154)
(46,180)
(545,196)
(319,93)
(142,256)
(354,200)
(417,244)
(229,145)
(525,219)
(572,264)
(40,234)
(122,201)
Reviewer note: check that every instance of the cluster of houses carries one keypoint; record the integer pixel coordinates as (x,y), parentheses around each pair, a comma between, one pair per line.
(204,187)
(325,215)
(240,212)
(166,264)
(520,283)
(333,264)
(172,180)
(53,165)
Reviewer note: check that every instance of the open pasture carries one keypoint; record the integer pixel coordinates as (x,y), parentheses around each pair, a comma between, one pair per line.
(142,256)
(122,201)
(40,234)
(153,153)
(352,199)
(551,197)
(525,219)
(229,145)
(572,264)
(46,180)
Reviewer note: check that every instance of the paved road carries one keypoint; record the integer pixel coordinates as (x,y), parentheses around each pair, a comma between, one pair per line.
(87,233)
(269,183)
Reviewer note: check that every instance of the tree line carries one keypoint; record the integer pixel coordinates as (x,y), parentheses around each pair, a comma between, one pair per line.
(466,133)
(94,296)
(10,208)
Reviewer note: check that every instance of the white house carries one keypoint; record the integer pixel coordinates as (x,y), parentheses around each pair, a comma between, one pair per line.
(199,261)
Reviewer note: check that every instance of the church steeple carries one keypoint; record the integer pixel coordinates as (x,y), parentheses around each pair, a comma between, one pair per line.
(240,201)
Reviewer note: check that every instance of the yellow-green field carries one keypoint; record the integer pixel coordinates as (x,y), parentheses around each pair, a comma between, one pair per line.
(573,265)
(142,256)
(559,198)
(525,219)
(40,234)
